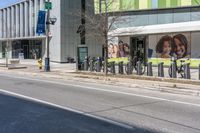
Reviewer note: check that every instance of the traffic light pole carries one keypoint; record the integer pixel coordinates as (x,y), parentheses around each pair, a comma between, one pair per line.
(47,59)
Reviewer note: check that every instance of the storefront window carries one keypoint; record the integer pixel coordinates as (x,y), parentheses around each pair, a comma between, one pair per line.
(30,49)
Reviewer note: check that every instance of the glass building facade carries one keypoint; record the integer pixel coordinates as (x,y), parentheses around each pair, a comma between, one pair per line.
(155,17)
(145,25)
(129,5)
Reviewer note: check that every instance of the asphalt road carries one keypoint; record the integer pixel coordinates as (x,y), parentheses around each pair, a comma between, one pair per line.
(30,105)
(22,116)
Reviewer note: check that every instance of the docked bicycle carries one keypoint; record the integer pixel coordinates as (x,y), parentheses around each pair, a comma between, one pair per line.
(132,64)
(178,68)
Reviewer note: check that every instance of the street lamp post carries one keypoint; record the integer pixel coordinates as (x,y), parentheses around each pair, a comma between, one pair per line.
(50,21)
(47,60)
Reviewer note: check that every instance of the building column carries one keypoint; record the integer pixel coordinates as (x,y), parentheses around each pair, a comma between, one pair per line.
(1,23)
(17,20)
(30,17)
(4,23)
(21,20)
(8,23)
(42,4)
(36,14)
(12,22)
(26,27)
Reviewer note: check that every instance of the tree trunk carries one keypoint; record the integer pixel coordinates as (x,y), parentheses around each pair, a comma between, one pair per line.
(106,56)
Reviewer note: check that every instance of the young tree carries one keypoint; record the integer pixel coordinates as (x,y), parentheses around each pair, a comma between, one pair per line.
(99,24)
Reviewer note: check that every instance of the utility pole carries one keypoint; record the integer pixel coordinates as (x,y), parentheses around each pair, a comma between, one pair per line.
(47,59)
(49,21)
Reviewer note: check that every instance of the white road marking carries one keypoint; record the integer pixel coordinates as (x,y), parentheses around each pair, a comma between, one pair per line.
(104,90)
(66,108)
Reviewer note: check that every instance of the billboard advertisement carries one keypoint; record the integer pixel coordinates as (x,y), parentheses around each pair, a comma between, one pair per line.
(177,45)
(119,48)
(128,5)
(168,45)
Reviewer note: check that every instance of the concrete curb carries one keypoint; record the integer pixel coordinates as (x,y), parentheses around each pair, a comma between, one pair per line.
(174,86)
(148,78)
(20,67)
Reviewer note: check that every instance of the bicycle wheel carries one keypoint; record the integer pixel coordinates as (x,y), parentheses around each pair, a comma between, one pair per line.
(181,72)
(143,68)
(128,68)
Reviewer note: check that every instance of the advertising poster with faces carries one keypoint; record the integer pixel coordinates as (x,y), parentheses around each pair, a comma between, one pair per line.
(177,45)
(119,50)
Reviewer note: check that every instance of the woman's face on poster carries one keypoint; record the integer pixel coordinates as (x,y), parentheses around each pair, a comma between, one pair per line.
(111,48)
(121,46)
(179,48)
(166,47)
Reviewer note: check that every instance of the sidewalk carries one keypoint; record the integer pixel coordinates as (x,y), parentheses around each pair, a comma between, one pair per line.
(68,72)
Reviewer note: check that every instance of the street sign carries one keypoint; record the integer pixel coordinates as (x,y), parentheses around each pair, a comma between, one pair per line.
(41,22)
(48,5)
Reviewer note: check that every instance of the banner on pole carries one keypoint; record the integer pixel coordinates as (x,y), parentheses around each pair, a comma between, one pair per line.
(41,23)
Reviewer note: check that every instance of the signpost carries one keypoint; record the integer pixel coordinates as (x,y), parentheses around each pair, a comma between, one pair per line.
(48,5)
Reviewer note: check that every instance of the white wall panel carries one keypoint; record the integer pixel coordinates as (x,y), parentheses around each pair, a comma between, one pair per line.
(1,27)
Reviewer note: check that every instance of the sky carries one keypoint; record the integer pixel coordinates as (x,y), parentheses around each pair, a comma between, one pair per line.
(4,3)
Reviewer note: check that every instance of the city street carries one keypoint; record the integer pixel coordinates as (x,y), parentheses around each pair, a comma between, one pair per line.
(21,116)
(40,105)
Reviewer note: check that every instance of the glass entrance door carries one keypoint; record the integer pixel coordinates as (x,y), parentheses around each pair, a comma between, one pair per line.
(138,48)
(26,51)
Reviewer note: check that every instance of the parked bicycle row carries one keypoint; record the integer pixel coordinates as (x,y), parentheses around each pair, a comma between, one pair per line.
(135,66)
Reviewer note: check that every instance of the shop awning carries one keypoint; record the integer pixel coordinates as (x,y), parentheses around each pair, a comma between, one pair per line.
(157,29)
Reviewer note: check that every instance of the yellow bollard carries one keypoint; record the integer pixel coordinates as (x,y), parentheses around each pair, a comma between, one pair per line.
(40,63)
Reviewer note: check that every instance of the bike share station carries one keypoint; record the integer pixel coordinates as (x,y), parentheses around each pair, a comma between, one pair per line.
(138,62)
